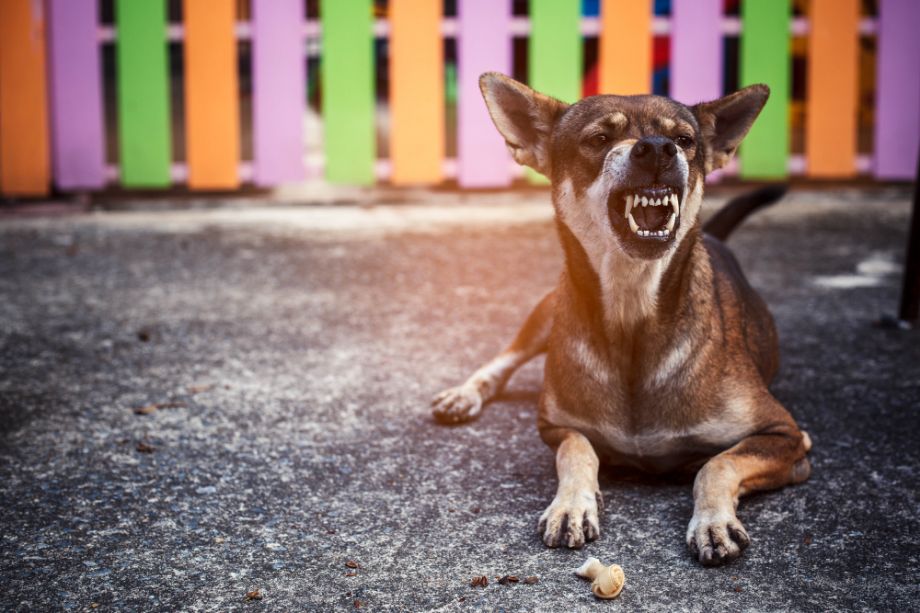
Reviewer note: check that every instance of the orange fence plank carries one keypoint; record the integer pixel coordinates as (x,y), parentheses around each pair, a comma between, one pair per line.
(831,113)
(25,167)
(625,62)
(416,92)
(212,112)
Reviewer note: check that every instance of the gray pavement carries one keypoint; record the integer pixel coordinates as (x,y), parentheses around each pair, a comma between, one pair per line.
(293,350)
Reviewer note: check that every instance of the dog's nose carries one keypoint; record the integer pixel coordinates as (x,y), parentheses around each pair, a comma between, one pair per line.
(653,153)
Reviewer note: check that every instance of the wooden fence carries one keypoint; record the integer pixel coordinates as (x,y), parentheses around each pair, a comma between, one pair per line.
(53,127)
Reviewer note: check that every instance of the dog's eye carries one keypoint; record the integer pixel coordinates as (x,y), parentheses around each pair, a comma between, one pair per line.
(684,142)
(598,140)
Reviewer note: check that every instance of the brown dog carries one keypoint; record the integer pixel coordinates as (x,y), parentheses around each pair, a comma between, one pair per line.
(659,352)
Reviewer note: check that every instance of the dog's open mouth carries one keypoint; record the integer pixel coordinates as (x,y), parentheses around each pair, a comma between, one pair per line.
(651,212)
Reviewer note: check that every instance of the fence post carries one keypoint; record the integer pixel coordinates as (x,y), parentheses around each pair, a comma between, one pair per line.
(830,117)
(696,50)
(625,56)
(348,91)
(278,91)
(212,106)
(144,131)
(24,140)
(765,59)
(483,45)
(416,92)
(78,135)
(555,53)
(897,92)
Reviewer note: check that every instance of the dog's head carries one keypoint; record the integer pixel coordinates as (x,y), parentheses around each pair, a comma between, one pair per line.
(629,170)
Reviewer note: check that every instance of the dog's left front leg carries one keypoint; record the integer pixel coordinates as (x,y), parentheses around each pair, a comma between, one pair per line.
(572,518)
(767,460)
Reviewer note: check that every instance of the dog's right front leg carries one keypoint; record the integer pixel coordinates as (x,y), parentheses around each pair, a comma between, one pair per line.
(572,518)
(465,402)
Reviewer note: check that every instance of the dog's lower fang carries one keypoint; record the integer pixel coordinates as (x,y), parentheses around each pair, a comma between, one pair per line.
(671,221)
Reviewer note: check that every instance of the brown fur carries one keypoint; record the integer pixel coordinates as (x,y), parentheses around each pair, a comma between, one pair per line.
(659,352)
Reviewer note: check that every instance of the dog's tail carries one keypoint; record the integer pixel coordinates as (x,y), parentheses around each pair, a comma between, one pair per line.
(732,214)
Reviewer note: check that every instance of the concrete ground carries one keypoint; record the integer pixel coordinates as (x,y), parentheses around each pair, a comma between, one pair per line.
(293,350)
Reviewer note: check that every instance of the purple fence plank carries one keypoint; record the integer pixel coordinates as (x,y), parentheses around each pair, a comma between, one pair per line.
(278,92)
(696,50)
(897,121)
(77,135)
(484,44)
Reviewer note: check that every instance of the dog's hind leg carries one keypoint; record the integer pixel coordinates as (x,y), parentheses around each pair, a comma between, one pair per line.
(767,460)
(465,402)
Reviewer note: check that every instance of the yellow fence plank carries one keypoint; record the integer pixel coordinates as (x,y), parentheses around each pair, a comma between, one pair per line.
(416,92)
(625,63)
(830,120)
(25,167)
(212,112)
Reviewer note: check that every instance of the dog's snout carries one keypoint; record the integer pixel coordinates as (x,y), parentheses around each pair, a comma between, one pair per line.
(653,153)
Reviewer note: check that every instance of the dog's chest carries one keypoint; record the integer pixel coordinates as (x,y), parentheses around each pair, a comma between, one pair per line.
(649,415)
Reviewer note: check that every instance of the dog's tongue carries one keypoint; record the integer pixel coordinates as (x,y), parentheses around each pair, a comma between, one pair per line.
(651,217)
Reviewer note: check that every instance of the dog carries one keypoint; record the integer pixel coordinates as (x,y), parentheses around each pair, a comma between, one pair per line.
(659,352)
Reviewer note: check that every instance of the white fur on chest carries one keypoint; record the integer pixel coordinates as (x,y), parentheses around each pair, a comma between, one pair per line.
(722,429)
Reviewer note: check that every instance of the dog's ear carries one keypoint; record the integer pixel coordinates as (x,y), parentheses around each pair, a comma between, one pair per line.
(726,121)
(524,118)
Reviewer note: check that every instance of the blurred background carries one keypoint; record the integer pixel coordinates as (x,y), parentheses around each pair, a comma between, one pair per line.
(102,95)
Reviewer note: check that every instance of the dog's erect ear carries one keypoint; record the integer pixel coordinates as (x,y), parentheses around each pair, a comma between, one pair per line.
(524,118)
(726,121)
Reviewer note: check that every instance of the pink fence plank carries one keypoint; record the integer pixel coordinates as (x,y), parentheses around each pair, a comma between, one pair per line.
(696,50)
(77,133)
(897,122)
(484,44)
(278,93)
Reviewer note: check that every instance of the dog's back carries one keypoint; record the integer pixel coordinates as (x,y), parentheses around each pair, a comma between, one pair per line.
(760,336)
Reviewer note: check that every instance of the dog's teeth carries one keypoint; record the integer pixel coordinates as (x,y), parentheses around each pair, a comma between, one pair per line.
(629,205)
(658,202)
(632,223)
(671,220)
(674,204)
(644,201)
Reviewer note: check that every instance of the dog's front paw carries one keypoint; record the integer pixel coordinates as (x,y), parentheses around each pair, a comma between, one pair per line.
(716,538)
(571,520)
(457,404)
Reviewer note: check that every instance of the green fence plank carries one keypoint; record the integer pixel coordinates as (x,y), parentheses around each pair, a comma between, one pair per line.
(143,93)
(555,52)
(347,67)
(555,48)
(765,58)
